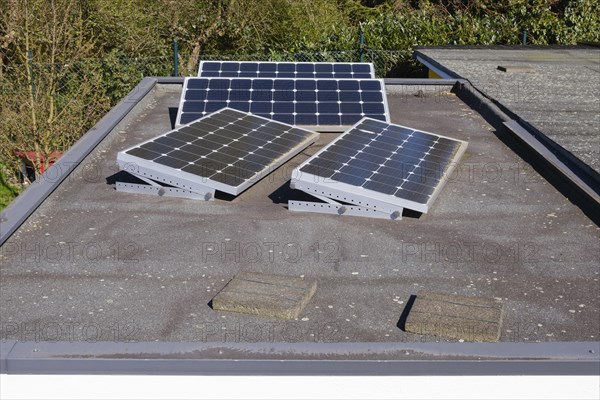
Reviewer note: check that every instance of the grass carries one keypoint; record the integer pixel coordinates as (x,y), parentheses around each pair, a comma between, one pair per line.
(7,191)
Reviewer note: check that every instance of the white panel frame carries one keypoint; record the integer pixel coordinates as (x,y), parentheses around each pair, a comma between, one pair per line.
(316,128)
(361,196)
(185,180)
(371,66)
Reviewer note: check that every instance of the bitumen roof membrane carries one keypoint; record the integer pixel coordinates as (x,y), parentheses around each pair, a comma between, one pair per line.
(95,263)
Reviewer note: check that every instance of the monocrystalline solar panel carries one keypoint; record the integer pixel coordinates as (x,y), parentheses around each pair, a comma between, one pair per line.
(273,69)
(227,150)
(314,103)
(380,163)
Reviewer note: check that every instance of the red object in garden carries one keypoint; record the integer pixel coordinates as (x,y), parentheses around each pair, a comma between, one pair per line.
(30,156)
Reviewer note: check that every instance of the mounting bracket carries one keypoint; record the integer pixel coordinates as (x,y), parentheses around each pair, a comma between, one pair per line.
(330,206)
(156,189)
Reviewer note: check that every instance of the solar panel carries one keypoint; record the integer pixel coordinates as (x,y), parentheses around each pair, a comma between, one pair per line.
(273,69)
(313,103)
(381,166)
(228,151)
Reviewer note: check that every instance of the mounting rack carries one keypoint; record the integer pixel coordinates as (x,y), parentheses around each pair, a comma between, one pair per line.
(330,206)
(148,186)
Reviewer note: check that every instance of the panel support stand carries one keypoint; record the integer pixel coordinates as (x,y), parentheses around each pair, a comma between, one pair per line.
(330,206)
(156,189)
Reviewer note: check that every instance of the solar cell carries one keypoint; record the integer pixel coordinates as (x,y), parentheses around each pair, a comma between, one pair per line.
(227,150)
(274,69)
(382,165)
(314,103)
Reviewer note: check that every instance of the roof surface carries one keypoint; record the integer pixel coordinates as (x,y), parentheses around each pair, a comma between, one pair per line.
(98,263)
(559,95)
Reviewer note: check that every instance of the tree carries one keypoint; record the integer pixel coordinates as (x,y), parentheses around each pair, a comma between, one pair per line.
(52,99)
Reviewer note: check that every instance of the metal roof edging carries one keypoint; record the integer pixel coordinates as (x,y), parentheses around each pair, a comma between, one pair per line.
(569,165)
(496,115)
(422,81)
(435,66)
(166,80)
(519,129)
(187,358)
(29,200)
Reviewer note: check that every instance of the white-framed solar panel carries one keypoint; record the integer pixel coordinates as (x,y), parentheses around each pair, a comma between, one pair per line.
(228,150)
(380,166)
(315,104)
(285,69)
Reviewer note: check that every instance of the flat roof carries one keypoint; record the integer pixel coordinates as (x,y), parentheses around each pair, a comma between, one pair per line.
(145,268)
(556,89)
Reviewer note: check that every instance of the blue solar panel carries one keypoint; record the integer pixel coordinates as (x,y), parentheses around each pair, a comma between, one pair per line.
(377,158)
(228,150)
(304,102)
(272,69)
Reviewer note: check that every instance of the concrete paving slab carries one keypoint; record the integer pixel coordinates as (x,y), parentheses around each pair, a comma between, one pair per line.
(266,295)
(452,316)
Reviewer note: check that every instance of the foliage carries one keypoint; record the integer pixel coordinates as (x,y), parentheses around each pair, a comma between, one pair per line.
(581,21)
(7,191)
(46,102)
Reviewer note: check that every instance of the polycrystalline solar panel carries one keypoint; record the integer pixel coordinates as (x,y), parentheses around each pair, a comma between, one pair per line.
(227,150)
(272,69)
(388,163)
(313,103)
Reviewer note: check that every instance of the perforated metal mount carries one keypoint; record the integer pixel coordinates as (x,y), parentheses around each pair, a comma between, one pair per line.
(331,193)
(340,209)
(153,188)
(330,206)
(157,191)
(140,169)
